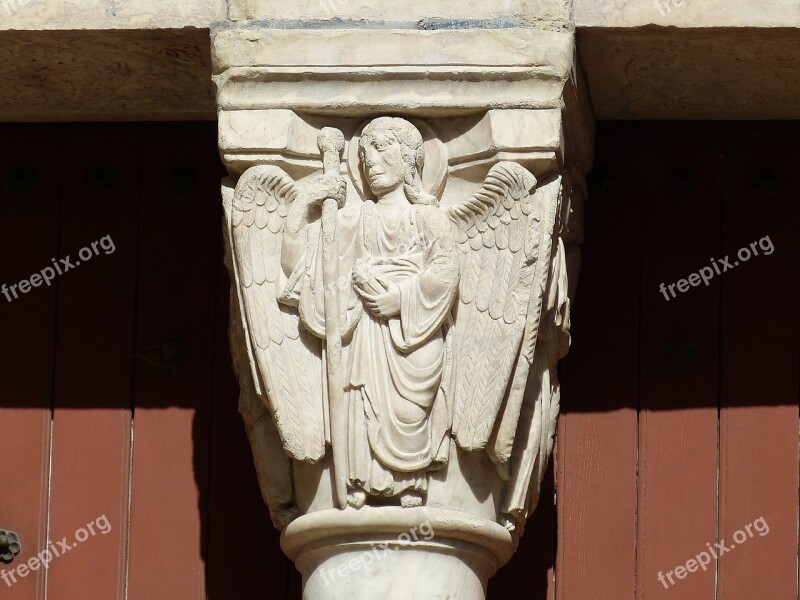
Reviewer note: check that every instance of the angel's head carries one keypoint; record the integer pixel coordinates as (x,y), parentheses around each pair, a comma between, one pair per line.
(392,155)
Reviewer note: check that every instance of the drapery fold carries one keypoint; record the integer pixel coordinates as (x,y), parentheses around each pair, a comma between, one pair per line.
(397,369)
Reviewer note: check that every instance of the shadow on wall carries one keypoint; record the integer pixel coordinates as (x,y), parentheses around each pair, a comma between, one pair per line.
(148,322)
(690,256)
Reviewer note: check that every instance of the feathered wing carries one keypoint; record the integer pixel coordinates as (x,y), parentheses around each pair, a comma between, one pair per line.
(285,359)
(549,269)
(532,430)
(505,235)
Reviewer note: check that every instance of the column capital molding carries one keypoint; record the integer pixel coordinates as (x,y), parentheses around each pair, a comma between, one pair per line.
(399,307)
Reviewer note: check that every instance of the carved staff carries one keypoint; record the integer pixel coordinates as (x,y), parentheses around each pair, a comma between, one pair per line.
(331,144)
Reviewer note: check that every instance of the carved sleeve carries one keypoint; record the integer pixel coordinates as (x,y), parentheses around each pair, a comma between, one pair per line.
(427,297)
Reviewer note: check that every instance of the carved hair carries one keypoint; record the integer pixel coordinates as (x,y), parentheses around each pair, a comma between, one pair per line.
(411,148)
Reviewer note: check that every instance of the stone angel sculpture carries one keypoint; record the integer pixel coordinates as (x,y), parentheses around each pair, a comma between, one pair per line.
(422,344)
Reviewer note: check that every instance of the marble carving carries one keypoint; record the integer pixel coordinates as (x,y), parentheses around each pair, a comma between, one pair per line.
(387,319)
(439,311)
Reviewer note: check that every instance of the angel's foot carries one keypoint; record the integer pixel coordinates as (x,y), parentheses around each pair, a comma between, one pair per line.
(357,498)
(508,522)
(411,500)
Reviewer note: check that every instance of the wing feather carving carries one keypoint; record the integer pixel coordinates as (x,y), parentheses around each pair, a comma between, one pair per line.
(287,365)
(547,274)
(500,233)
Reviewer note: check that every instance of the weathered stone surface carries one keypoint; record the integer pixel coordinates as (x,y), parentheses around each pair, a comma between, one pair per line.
(691,14)
(393,11)
(651,73)
(102,75)
(691,59)
(108,14)
(549,51)
(369,71)
(648,59)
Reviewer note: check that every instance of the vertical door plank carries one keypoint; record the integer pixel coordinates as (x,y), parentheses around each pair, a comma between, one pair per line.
(179,232)
(679,362)
(596,451)
(94,360)
(543,526)
(29,213)
(758,421)
(237,512)
(529,574)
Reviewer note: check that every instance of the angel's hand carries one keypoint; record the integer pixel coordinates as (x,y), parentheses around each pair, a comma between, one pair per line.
(382,305)
(322,187)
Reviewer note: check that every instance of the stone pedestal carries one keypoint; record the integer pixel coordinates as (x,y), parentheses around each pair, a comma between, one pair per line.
(392,553)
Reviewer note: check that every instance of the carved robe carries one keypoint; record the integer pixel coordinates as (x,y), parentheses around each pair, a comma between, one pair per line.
(397,371)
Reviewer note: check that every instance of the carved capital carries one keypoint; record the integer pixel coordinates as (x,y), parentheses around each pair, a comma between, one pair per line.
(397,348)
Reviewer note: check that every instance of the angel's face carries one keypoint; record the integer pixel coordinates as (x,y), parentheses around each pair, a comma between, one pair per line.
(383,163)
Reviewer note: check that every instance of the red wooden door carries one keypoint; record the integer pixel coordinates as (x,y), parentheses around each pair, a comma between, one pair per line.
(680,423)
(124,456)
(123,450)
